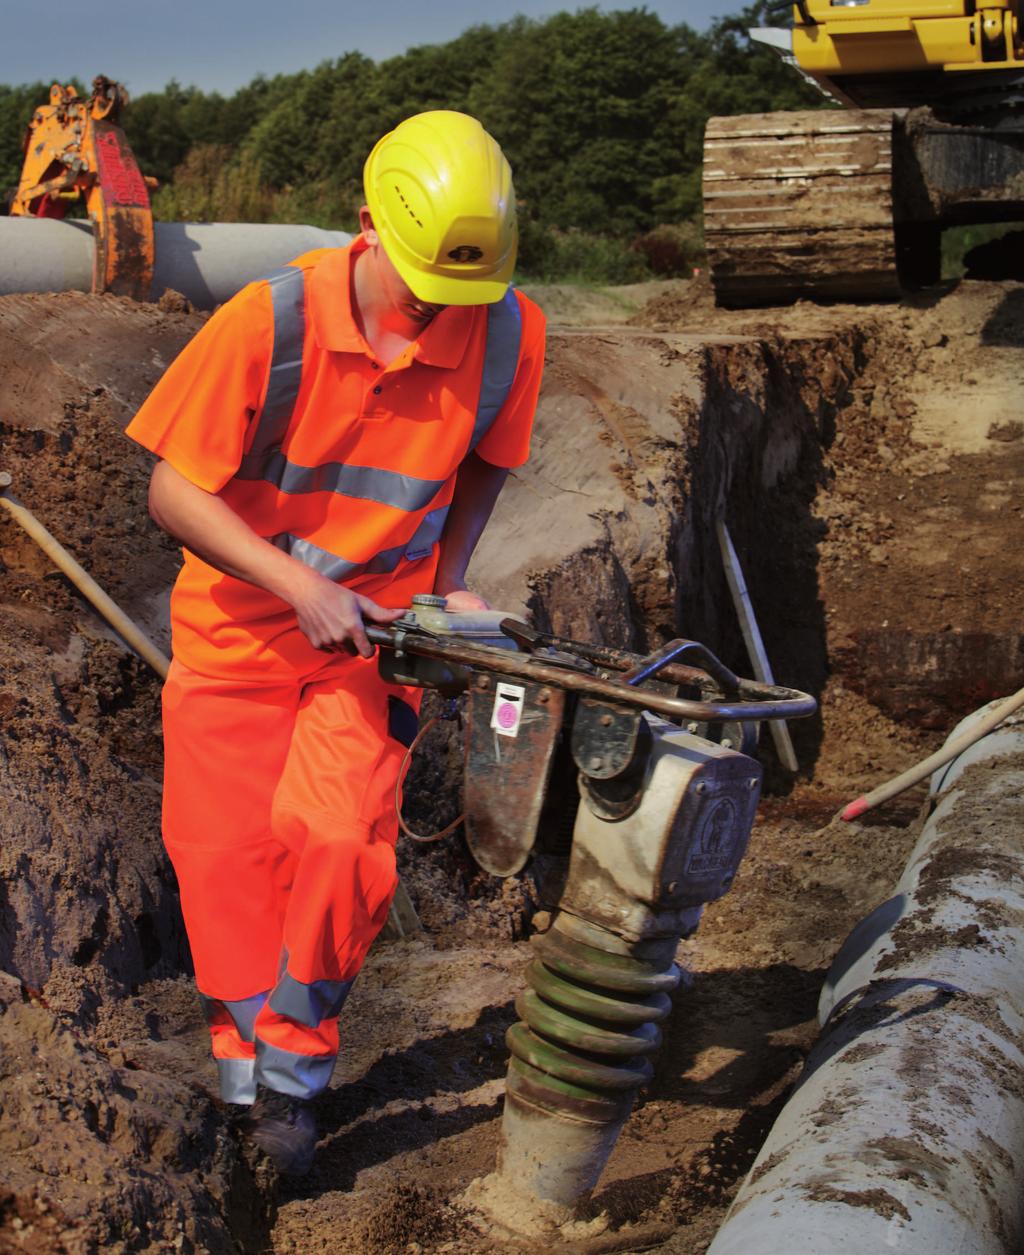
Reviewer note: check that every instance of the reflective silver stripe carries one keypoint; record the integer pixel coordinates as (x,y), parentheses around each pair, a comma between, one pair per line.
(419,545)
(302,1076)
(265,461)
(309,1004)
(368,483)
(328,564)
(287,295)
(237,1080)
(243,1012)
(501,358)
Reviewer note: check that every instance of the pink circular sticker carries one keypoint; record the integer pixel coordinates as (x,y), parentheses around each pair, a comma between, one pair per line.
(507,714)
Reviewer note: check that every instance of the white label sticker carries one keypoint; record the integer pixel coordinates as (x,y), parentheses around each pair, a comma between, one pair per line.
(508,709)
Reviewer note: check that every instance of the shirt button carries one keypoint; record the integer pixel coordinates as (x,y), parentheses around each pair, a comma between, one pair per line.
(378,390)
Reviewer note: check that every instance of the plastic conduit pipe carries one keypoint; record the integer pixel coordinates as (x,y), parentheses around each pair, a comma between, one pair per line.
(980,724)
(906,1128)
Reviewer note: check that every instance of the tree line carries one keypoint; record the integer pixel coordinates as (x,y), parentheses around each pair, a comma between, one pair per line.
(601,115)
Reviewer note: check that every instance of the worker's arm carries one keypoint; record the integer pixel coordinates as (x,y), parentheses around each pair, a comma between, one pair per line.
(476,490)
(329,614)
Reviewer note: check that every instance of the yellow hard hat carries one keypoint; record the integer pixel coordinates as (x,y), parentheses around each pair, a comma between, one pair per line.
(440,192)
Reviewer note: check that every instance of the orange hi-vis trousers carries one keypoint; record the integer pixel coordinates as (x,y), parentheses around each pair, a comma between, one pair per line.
(279,818)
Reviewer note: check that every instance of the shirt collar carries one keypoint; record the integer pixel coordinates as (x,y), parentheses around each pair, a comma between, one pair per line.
(442,343)
(330,301)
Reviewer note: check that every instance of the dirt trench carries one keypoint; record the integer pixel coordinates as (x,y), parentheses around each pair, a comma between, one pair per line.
(867,462)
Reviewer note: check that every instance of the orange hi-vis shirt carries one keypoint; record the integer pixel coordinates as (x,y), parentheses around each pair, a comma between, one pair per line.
(366,465)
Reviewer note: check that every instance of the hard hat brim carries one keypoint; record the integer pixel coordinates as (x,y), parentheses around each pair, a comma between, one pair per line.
(455,289)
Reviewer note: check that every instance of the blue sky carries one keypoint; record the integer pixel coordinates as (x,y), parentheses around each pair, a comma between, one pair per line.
(218,45)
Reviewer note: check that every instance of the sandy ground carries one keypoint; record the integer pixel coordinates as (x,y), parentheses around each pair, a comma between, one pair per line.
(883,541)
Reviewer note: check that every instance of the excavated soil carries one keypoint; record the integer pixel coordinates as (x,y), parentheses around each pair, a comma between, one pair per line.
(867,461)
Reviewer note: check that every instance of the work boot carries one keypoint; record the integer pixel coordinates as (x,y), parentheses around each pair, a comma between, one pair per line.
(283,1128)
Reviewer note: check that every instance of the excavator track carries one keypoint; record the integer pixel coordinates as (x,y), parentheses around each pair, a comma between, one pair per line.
(800,205)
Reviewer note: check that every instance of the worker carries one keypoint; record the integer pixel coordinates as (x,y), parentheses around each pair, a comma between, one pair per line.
(331,442)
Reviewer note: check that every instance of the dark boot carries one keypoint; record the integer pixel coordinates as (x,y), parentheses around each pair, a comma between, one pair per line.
(283,1127)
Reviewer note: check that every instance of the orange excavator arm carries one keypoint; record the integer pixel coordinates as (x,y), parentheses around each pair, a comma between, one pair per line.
(76,151)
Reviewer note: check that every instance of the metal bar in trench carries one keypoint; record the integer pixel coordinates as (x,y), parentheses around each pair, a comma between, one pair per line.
(752,638)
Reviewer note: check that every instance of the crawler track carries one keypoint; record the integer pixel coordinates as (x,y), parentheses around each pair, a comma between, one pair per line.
(800,204)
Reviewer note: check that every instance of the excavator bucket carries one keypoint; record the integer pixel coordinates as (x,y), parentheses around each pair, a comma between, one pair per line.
(75,152)
(122,219)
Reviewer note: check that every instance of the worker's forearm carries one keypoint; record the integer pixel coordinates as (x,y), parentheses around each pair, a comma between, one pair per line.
(207,525)
(476,490)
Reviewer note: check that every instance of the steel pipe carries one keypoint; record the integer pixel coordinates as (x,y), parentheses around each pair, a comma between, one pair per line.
(906,1129)
(207,262)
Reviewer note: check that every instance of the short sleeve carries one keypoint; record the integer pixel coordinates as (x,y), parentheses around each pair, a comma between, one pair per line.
(197,416)
(507,443)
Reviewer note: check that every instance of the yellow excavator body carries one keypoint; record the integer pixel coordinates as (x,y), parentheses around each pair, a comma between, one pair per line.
(903,36)
(851,204)
(75,151)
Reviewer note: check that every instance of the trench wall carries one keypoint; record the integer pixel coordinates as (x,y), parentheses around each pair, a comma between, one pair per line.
(644,440)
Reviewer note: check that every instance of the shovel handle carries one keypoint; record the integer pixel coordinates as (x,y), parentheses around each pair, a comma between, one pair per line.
(129,631)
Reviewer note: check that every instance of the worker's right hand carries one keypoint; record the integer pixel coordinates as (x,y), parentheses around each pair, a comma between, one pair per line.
(331,616)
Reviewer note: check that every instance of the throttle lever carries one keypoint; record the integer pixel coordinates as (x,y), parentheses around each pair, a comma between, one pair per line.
(525,636)
(719,672)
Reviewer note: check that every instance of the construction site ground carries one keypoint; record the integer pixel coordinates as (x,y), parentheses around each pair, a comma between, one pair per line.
(868,461)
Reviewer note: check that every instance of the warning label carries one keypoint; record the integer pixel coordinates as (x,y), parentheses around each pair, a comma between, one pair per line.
(508,709)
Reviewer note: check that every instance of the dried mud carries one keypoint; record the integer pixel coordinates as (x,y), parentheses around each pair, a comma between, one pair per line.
(867,464)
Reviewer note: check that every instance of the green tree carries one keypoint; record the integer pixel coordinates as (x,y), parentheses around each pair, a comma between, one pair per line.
(155,126)
(578,103)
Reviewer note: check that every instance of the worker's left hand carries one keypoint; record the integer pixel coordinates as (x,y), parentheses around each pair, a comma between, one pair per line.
(462,599)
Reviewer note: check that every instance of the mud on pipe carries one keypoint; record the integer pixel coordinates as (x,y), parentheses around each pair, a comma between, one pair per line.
(906,1129)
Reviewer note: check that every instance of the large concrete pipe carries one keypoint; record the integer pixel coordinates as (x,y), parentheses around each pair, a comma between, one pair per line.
(205,261)
(906,1130)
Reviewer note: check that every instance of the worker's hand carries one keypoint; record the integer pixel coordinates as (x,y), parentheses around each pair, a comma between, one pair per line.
(461,599)
(331,616)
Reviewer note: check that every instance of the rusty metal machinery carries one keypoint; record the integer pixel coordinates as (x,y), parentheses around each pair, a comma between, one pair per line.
(851,204)
(76,152)
(630,784)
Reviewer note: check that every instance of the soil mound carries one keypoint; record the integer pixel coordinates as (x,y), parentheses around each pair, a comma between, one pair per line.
(100,1156)
(84,877)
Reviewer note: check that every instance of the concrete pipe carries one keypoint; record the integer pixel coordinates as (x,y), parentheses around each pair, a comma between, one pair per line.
(906,1129)
(207,262)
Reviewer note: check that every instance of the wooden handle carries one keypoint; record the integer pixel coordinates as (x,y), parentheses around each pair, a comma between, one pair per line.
(82,580)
